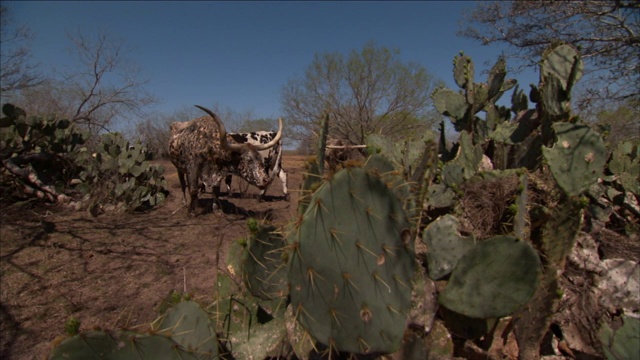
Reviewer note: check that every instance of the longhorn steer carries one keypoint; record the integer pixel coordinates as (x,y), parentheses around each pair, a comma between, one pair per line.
(199,149)
(272,157)
(338,151)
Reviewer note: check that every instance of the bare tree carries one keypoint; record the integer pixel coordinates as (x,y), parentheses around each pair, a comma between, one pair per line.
(367,92)
(102,87)
(607,33)
(16,70)
(108,85)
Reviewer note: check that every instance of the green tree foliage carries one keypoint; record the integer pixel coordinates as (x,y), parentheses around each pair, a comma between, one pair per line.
(606,32)
(367,91)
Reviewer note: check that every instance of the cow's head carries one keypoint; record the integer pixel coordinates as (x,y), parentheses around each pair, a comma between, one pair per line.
(246,159)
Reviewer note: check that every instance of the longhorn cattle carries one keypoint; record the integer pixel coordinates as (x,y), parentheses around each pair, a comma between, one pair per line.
(338,151)
(272,157)
(199,149)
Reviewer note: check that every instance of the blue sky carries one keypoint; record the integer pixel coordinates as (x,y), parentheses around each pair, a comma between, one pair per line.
(240,54)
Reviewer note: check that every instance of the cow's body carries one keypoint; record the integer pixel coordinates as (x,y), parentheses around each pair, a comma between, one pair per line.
(272,157)
(339,151)
(199,150)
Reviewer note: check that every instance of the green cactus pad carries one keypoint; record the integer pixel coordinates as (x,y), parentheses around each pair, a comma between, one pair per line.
(463,70)
(311,180)
(446,245)
(264,269)
(120,346)
(493,279)
(625,164)
(440,196)
(380,166)
(450,103)
(519,101)
(564,62)
(622,343)
(496,77)
(577,159)
(191,327)
(469,155)
(252,329)
(560,231)
(351,265)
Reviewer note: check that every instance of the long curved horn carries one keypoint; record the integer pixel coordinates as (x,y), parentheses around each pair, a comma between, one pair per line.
(275,140)
(223,132)
(346,146)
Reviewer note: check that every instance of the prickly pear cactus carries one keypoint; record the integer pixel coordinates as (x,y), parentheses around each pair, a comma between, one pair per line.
(452,104)
(622,343)
(625,166)
(190,326)
(351,265)
(311,180)
(493,279)
(381,167)
(446,245)
(264,265)
(405,156)
(252,329)
(563,62)
(120,345)
(560,68)
(577,159)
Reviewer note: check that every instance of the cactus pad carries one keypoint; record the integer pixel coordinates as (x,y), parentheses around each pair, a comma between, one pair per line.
(120,346)
(191,327)
(564,62)
(351,265)
(577,159)
(445,244)
(264,269)
(624,342)
(450,103)
(493,279)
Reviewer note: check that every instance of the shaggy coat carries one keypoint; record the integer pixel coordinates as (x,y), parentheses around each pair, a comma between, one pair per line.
(199,150)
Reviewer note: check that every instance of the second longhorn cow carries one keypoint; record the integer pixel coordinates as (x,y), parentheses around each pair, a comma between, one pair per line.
(200,149)
(272,157)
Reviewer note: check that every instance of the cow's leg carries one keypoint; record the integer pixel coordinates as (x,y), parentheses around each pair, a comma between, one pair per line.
(283,177)
(193,180)
(263,191)
(227,181)
(183,186)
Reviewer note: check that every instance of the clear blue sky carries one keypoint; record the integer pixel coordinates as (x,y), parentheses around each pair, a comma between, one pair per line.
(239,54)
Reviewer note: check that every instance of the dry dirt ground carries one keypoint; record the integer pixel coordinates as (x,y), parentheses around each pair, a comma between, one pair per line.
(113,270)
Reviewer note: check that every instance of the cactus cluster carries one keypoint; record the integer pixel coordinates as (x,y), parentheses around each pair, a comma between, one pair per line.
(118,173)
(345,275)
(39,152)
(46,155)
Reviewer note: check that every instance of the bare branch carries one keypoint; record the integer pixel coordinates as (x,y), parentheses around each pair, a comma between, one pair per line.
(16,70)
(605,31)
